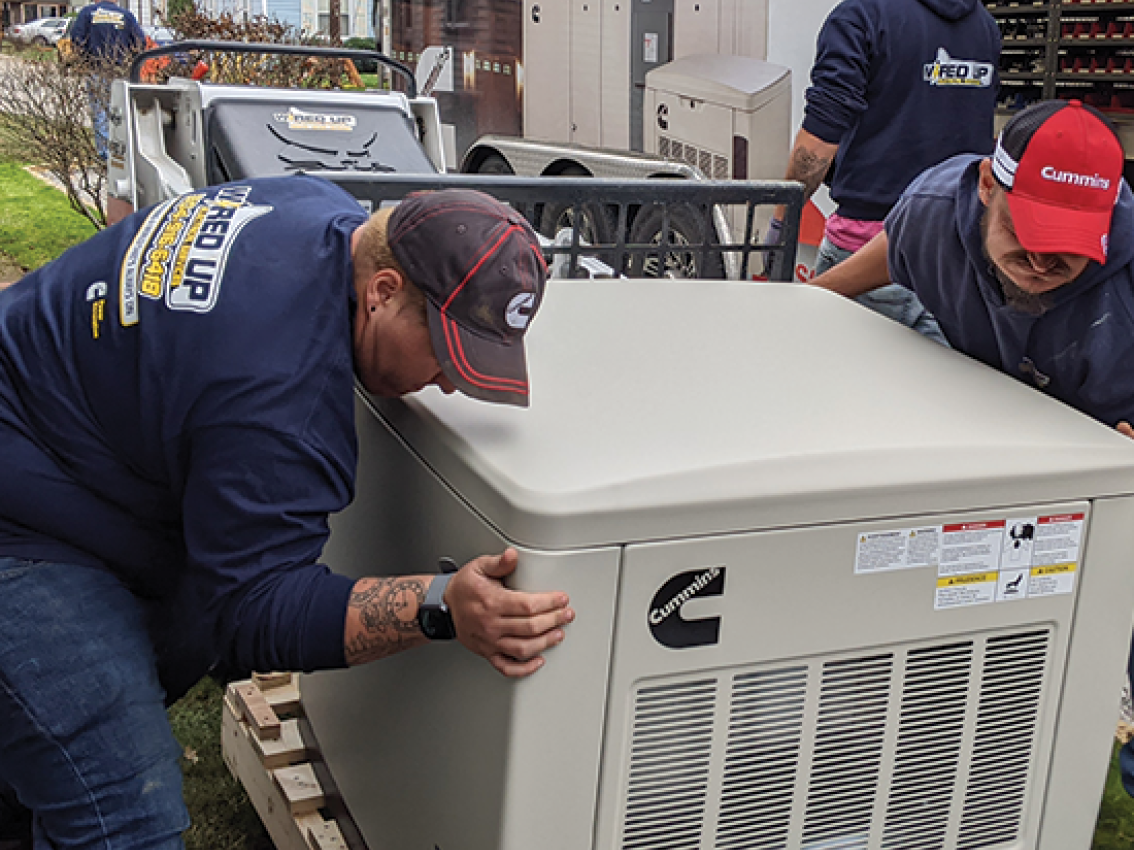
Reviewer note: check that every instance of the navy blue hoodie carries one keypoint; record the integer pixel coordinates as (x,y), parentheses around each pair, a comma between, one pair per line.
(900,85)
(106,31)
(1081,351)
(176,405)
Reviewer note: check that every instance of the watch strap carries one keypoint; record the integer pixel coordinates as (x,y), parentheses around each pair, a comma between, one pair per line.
(435,595)
(433,617)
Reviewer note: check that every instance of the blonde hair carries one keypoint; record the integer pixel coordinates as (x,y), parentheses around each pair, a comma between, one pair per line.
(373,254)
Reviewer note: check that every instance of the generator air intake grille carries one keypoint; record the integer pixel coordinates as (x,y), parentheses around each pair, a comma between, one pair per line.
(931,726)
(712,165)
(669,770)
(1010,692)
(927,746)
(764,740)
(847,760)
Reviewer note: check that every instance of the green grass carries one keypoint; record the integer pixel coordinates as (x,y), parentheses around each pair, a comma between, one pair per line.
(29,52)
(1115,827)
(36,222)
(223,818)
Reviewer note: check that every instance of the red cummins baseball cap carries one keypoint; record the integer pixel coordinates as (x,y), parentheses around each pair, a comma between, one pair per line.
(480,267)
(1061,162)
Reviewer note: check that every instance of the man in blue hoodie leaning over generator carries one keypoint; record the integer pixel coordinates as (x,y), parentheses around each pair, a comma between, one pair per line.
(897,86)
(1027,261)
(176,425)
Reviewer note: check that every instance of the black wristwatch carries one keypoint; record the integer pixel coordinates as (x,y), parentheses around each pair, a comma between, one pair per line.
(433,616)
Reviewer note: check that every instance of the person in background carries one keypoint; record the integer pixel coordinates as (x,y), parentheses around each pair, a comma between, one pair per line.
(897,86)
(104,36)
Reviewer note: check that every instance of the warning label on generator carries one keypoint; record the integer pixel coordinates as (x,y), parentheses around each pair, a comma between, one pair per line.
(975,589)
(898,550)
(998,560)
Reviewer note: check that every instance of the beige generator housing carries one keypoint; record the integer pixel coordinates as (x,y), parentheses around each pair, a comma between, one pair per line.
(838,588)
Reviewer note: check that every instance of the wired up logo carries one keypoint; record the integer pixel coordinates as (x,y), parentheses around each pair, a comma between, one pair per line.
(667,625)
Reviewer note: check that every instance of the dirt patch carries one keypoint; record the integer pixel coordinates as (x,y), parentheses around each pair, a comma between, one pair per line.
(10,270)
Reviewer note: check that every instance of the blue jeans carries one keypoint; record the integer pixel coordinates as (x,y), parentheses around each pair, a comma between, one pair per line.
(893,300)
(84,738)
(1126,754)
(100,126)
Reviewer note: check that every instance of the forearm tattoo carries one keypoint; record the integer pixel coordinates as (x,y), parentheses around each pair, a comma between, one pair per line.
(387,617)
(809,168)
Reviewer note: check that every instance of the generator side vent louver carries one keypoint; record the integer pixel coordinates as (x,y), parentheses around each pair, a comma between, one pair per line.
(669,766)
(931,729)
(847,757)
(712,165)
(920,747)
(764,739)
(1010,691)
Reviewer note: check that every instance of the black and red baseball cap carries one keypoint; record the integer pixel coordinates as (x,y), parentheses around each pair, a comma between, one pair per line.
(1061,162)
(479,264)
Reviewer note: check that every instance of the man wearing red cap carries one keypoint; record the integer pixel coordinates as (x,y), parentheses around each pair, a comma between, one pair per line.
(176,425)
(1014,255)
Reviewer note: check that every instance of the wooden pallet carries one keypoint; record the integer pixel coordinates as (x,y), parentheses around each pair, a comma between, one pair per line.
(269,748)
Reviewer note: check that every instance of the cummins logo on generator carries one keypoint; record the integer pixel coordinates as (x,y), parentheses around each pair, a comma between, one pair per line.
(667,625)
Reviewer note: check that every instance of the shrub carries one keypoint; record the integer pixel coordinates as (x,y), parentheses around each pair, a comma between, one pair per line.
(366,66)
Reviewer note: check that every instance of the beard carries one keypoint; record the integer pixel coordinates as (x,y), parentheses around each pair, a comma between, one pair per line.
(1029,303)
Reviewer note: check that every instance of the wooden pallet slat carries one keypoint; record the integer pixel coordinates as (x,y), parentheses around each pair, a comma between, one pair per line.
(267,681)
(271,758)
(255,709)
(300,788)
(322,834)
(289,748)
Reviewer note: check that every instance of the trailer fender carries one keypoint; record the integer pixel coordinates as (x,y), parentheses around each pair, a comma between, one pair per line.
(483,159)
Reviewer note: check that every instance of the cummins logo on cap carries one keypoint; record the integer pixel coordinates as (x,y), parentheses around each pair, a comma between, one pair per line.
(667,625)
(1072,178)
(519,310)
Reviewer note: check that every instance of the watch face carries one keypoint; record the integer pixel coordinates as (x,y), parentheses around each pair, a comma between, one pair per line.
(437,624)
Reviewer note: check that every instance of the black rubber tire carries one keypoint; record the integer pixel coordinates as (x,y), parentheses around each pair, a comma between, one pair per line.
(687,226)
(597,223)
(39,41)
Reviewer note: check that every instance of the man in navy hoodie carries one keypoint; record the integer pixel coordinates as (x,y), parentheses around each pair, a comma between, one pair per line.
(106,31)
(176,425)
(1027,261)
(897,86)
(1013,254)
(106,36)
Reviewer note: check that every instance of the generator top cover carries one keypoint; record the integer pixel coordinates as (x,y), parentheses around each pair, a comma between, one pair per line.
(669,408)
(739,82)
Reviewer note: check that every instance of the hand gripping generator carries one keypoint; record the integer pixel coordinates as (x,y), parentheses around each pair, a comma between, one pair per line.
(837,588)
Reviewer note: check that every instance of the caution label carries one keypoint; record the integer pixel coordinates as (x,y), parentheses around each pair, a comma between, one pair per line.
(1053,580)
(994,560)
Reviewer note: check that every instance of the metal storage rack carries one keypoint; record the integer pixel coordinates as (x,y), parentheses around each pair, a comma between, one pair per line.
(1082,50)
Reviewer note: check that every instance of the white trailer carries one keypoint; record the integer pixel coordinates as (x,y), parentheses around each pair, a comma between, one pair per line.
(615,88)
